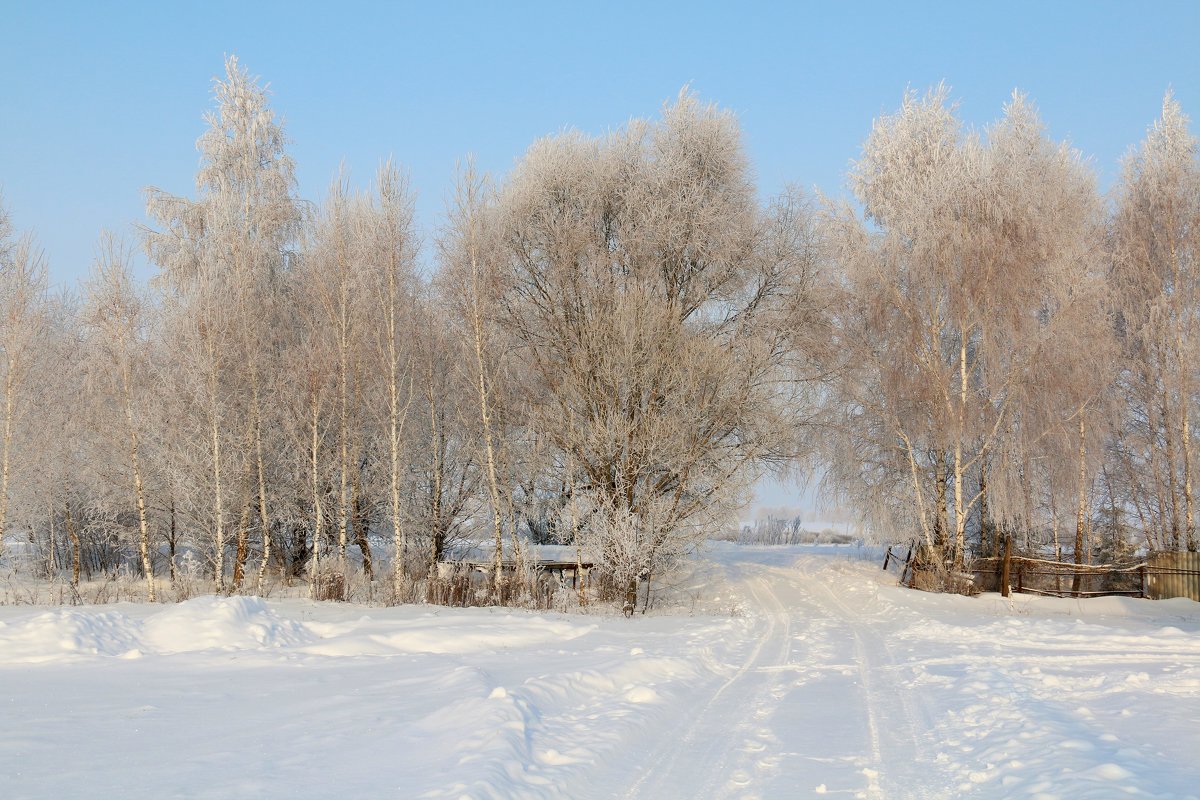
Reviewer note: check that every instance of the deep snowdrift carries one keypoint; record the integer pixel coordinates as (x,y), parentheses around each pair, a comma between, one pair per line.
(824,679)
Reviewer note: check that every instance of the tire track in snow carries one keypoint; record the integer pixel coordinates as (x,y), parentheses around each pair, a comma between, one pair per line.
(881,709)
(663,775)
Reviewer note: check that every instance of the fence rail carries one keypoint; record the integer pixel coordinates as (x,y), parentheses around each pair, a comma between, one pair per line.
(1161,576)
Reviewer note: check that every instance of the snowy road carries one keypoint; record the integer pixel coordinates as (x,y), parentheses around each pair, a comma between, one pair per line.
(858,688)
(815,708)
(799,674)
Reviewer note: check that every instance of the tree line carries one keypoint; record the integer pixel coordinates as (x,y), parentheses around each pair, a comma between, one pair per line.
(616,340)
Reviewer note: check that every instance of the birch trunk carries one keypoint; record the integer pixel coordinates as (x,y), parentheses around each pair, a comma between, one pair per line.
(9,410)
(76,548)
(143,525)
(437,441)
(485,411)
(316,499)
(960,518)
(263,519)
(218,489)
(399,540)
(1080,510)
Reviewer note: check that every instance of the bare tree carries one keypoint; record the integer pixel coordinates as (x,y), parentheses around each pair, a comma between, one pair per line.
(642,286)
(118,315)
(1156,273)
(225,253)
(967,246)
(22,326)
(389,256)
(467,254)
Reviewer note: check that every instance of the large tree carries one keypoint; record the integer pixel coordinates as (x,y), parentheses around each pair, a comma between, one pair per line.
(223,256)
(966,249)
(1156,274)
(643,284)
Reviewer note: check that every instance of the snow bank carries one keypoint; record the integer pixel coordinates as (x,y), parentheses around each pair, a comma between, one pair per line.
(225,623)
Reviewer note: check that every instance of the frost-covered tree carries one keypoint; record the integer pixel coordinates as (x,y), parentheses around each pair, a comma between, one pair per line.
(389,249)
(222,256)
(1156,275)
(23,325)
(968,245)
(640,280)
(117,317)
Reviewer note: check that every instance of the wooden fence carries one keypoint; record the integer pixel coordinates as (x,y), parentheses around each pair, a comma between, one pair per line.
(1162,575)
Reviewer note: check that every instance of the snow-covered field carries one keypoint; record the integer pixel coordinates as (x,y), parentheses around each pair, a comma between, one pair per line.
(808,674)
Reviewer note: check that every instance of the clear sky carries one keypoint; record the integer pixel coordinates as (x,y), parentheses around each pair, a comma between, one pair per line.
(100,99)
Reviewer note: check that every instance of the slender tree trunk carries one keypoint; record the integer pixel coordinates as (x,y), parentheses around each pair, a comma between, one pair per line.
(1171,478)
(399,539)
(486,418)
(52,554)
(1057,545)
(76,548)
(218,499)
(173,541)
(1080,510)
(143,525)
(344,510)
(264,522)
(960,519)
(987,541)
(1186,436)
(10,391)
(437,440)
(243,545)
(359,523)
(941,523)
(1185,402)
(314,455)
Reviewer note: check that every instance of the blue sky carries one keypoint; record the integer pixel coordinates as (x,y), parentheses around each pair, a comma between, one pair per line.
(98,100)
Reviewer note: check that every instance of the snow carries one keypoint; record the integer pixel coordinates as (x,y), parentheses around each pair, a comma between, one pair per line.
(804,671)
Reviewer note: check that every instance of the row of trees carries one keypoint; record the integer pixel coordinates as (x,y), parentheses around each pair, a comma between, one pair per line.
(1018,352)
(616,340)
(599,359)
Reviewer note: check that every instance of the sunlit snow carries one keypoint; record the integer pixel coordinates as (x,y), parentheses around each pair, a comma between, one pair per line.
(804,671)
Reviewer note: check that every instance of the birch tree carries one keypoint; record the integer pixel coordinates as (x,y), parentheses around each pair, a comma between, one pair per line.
(22,328)
(232,244)
(967,241)
(470,260)
(118,316)
(1156,273)
(390,244)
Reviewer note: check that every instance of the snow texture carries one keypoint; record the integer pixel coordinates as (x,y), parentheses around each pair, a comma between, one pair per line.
(824,680)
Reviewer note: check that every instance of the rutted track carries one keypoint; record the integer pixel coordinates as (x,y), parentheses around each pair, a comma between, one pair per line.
(759,733)
(697,763)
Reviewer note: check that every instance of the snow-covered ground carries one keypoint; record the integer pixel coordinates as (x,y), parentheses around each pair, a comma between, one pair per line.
(807,674)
